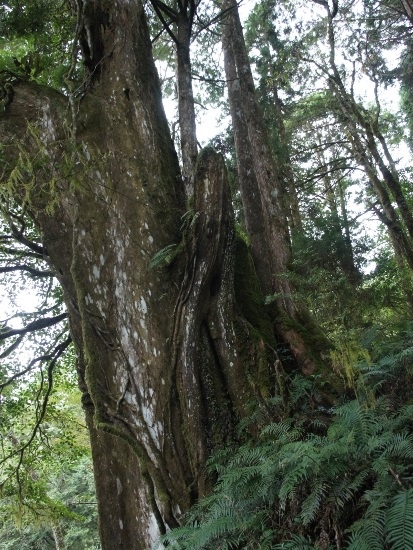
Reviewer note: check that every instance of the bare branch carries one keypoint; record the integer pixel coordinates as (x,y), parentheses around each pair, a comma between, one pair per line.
(34,362)
(18,235)
(11,348)
(29,269)
(166,24)
(56,354)
(34,326)
(20,252)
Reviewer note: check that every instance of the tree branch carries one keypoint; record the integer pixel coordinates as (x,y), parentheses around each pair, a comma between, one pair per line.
(158,11)
(54,356)
(31,270)
(10,349)
(34,326)
(18,235)
(19,252)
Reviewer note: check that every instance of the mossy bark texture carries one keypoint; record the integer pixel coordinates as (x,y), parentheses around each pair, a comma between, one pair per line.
(161,352)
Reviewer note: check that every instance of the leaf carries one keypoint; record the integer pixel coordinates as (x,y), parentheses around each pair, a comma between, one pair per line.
(164,256)
(399,521)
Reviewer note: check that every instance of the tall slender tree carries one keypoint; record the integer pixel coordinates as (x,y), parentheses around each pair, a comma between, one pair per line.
(177,19)
(263,194)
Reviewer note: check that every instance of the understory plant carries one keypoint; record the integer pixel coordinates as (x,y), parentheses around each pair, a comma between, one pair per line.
(320,478)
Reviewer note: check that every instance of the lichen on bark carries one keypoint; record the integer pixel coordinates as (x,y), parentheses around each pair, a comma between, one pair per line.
(168,359)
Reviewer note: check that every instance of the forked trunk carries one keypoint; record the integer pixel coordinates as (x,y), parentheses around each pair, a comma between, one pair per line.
(166,361)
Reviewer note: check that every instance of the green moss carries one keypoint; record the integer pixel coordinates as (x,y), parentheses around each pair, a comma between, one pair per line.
(259,333)
(220,422)
(248,295)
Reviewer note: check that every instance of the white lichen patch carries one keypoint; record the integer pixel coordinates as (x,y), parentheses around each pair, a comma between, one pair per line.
(50,132)
(124,337)
(206,184)
(143,308)
(118,291)
(96,271)
(131,399)
(153,529)
(86,151)
(119,487)
(101,307)
(155,428)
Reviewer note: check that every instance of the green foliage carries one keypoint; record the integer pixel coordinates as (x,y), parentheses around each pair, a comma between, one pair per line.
(77,522)
(46,485)
(35,38)
(165,256)
(320,476)
(399,521)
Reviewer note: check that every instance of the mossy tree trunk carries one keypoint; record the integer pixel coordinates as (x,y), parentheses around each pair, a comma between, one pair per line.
(166,360)
(264,194)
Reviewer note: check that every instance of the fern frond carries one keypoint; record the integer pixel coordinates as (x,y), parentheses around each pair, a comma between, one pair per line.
(399,521)
(311,505)
(278,430)
(368,532)
(347,488)
(399,445)
(357,542)
(164,256)
(297,542)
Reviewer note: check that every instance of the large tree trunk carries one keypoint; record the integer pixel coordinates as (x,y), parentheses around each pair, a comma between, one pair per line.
(263,195)
(166,362)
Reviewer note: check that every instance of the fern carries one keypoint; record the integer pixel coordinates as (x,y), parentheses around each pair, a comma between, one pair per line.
(312,504)
(399,521)
(368,532)
(165,256)
(336,472)
(297,542)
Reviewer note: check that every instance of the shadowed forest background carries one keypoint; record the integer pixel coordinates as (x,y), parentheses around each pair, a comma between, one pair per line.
(206,342)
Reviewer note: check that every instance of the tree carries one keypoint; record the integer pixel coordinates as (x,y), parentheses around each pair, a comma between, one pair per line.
(167,361)
(174,338)
(181,15)
(73,521)
(364,130)
(263,194)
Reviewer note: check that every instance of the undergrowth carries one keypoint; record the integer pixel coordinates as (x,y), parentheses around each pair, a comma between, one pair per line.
(317,478)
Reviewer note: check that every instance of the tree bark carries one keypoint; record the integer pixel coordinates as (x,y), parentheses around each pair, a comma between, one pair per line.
(167,363)
(263,195)
(182,16)
(186,105)
(270,195)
